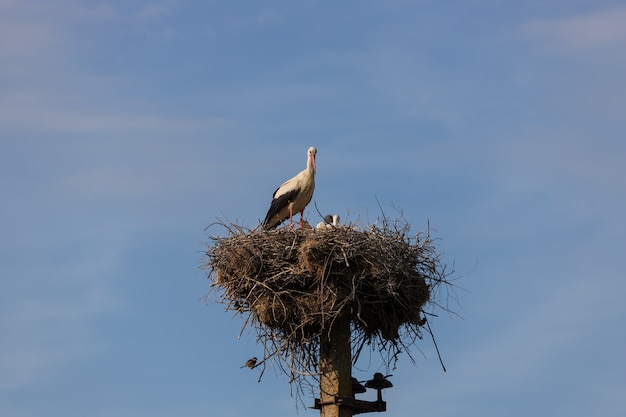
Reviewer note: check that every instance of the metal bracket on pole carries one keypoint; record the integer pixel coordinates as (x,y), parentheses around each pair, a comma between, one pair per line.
(358,406)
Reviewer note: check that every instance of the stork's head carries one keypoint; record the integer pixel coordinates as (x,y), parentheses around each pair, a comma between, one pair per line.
(312,152)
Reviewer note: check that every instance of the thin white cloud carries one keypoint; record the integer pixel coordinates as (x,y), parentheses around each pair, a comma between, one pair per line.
(47,90)
(582,32)
(42,28)
(19,39)
(37,45)
(153,20)
(156,10)
(27,45)
(157,179)
(55,119)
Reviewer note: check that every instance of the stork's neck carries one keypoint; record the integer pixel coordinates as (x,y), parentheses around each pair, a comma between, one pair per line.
(310,165)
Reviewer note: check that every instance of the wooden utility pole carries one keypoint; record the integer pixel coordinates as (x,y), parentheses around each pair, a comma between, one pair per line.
(336,368)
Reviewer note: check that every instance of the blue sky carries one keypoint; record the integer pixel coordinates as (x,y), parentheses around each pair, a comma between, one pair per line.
(128,127)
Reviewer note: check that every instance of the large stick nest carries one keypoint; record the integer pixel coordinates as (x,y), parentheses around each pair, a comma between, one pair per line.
(290,284)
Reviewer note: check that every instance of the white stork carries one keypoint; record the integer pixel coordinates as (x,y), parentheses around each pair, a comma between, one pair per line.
(331,221)
(328,219)
(293,196)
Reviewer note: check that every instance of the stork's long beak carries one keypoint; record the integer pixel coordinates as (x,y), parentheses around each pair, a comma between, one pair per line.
(313,163)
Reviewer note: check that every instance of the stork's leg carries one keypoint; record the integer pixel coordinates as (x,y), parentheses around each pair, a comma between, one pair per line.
(290,217)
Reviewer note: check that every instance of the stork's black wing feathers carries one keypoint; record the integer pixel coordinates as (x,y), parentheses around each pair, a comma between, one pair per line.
(278,203)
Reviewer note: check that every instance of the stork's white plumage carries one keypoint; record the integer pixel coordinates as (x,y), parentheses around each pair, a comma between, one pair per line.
(328,219)
(293,196)
(331,221)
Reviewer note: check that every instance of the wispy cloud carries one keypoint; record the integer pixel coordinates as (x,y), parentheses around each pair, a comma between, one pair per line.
(35,28)
(42,115)
(582,32)
(156,10)
(49,89)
